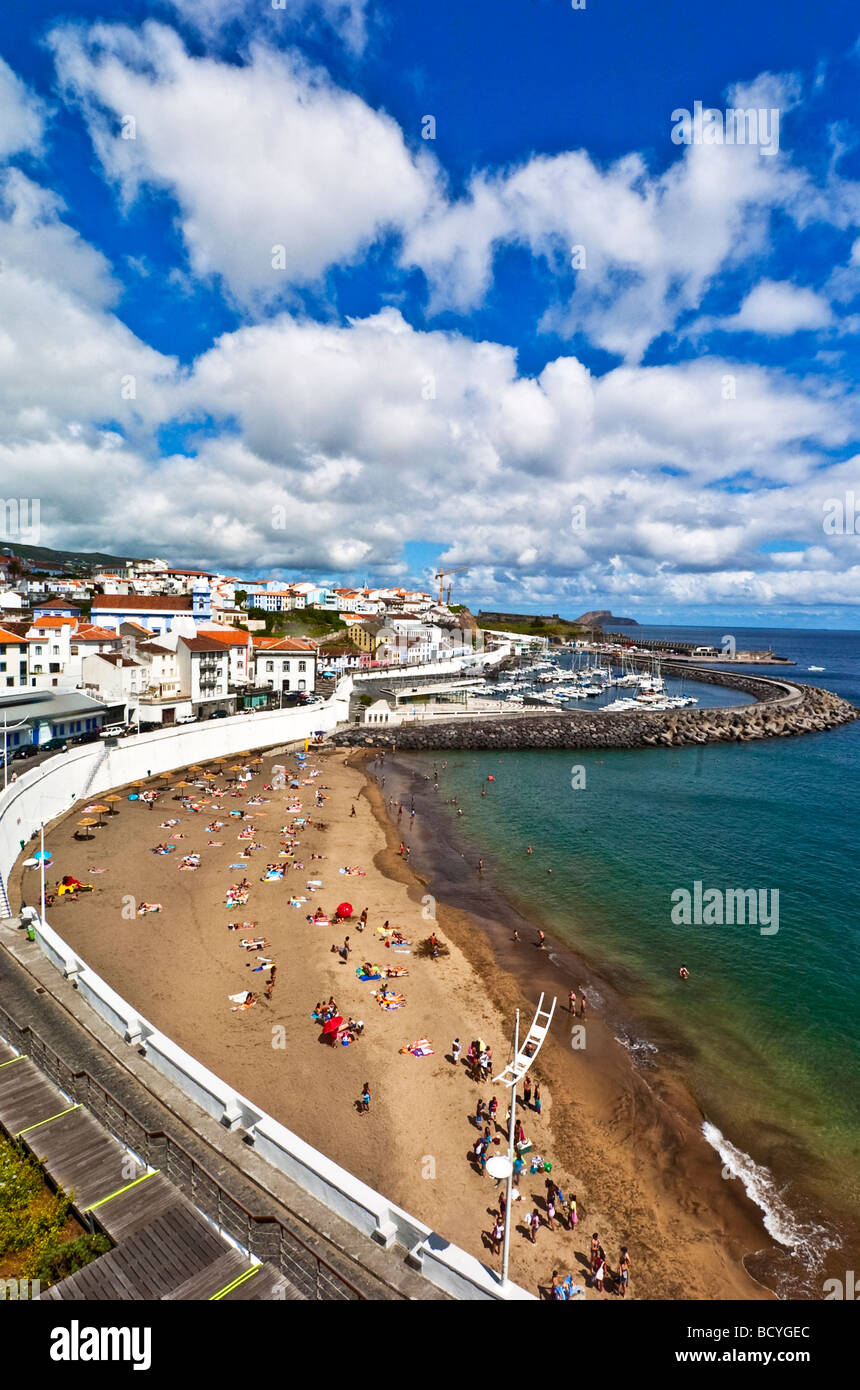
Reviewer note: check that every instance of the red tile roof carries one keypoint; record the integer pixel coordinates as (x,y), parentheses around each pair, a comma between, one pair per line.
(158,603)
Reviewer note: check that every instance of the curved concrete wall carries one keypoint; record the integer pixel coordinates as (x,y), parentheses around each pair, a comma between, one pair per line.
(48,791)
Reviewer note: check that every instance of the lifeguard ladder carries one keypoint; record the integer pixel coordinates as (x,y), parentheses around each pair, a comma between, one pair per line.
(531,1046)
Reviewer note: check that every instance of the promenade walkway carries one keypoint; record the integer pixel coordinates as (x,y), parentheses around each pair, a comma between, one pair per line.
(164,1247)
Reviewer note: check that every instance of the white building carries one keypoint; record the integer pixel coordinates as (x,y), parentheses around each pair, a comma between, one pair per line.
(239,649)
(287,665)
(204,669)
(112,677)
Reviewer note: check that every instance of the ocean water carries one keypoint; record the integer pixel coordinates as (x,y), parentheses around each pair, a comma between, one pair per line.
(767,1028)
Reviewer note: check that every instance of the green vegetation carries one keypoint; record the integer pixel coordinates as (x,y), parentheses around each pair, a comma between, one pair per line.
(300,622)
(538,627)
(58,1261)
(37,1225)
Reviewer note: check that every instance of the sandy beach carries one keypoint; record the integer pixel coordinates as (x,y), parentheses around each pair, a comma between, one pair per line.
(628,1145)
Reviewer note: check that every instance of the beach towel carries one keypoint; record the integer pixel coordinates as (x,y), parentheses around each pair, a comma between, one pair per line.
(237,866)
(96,871)
(390,1001)
(364,978)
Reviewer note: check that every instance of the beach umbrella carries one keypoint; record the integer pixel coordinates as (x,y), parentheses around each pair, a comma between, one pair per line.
(112,798)
(100,811)
(332,1025)
(42,854)
(499,1166)
(344,910)
(86,823)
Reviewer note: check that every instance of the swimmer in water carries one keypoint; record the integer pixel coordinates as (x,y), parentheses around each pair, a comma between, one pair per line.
(684,973)
(529,850)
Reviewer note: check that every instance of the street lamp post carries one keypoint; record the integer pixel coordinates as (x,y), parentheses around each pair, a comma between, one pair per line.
(42,870)
(508,1213)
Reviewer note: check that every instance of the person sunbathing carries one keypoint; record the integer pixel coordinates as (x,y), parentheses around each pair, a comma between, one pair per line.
(392,972)
(148,907)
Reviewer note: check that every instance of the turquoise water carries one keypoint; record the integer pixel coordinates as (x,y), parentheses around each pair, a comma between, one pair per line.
(767,1026)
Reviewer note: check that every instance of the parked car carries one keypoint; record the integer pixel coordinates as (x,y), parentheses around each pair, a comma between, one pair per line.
(218,714)
(28,751)
(187,719)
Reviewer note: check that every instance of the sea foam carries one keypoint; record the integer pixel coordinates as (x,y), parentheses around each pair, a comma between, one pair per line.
(809,1241)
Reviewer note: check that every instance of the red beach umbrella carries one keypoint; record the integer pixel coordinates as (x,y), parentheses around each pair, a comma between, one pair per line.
(344,910)
(332,1025)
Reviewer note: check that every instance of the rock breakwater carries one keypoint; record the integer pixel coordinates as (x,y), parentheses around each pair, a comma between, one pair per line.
(781,710)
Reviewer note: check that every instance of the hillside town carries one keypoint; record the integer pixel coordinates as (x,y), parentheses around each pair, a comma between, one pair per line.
(146,645)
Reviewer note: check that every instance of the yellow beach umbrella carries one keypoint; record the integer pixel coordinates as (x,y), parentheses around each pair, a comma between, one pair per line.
(87,822)
(100,811)
(112,809)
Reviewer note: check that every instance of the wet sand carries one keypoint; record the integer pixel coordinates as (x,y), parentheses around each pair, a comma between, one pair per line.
(626,1142)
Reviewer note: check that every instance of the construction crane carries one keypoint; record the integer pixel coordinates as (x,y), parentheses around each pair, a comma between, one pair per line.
(443,574)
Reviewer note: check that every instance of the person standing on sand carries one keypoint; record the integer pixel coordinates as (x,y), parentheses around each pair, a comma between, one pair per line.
(364,1104)
(573,1217)
(623,1271)
(270,983)
(541,941)
(516,936)
(537,1098)
(352,812)
(582,1005)
(571,1002)
(533,1223)
(497,1234)
(456,1049)
(594,1251)
(362,921)
(479,1112)
(527,1091)
(550,1212)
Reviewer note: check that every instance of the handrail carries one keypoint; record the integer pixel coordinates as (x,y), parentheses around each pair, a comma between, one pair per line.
(328,1283)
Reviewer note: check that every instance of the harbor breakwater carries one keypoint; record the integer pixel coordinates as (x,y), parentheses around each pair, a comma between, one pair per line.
(781,709)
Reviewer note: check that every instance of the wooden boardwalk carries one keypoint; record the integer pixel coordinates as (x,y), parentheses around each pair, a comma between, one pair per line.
(164,1247)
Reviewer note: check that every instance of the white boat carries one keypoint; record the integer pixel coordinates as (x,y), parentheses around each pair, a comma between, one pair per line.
(815,668)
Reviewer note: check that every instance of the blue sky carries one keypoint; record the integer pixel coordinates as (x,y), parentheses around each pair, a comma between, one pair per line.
(595,367)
